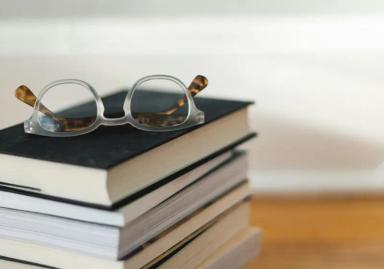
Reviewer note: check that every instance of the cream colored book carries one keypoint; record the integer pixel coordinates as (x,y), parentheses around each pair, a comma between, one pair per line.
(5,264)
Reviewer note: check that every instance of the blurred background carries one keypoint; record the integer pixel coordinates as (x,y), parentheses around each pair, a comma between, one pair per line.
(313,67)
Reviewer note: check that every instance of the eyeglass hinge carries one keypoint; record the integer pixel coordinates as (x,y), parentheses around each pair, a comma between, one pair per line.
(28,126)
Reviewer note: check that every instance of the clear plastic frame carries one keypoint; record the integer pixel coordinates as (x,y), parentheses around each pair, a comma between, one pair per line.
(46,122)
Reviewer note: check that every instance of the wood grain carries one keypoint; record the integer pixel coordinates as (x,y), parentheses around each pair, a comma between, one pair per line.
(320,232)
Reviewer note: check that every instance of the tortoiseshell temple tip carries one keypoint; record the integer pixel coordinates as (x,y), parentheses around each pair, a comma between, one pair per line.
(24,94)
(198,84)
(203,81)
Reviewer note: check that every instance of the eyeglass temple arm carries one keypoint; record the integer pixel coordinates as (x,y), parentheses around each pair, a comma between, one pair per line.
(24,94)
(198,84)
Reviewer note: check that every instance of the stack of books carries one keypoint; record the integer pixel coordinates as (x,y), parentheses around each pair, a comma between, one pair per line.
(124,198)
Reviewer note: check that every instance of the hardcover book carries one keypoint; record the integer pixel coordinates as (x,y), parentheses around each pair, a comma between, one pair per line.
(116,162)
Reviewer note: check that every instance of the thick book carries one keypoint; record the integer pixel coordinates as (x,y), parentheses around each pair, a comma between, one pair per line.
(180,234)
(113,163)
(116,242)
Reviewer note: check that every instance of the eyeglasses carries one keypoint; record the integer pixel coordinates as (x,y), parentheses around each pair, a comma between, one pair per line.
(72,107)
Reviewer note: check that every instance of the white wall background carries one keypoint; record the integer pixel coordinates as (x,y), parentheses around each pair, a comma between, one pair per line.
(313,67)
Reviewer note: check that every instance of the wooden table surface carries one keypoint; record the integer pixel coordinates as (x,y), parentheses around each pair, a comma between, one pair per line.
(338,231)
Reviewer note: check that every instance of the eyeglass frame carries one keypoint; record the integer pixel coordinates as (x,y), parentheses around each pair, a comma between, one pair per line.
(194,116)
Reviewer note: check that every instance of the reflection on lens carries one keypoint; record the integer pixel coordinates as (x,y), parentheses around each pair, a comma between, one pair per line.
(159,103)
(67,108)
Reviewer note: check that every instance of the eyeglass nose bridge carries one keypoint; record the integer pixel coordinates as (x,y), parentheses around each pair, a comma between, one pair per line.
(114,121)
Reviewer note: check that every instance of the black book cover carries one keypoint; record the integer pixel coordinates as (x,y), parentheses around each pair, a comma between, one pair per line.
(109,146)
